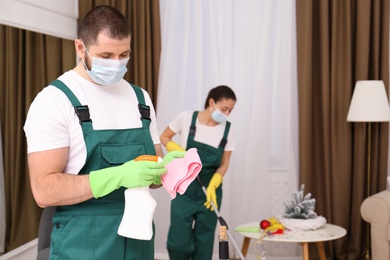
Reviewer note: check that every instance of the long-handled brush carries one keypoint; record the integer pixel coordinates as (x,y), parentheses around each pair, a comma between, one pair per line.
(222,222)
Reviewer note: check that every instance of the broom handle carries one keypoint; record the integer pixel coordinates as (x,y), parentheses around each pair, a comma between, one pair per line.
(221,220)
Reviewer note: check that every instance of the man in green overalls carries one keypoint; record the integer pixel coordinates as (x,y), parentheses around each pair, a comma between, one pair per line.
(192,226)
(83,133)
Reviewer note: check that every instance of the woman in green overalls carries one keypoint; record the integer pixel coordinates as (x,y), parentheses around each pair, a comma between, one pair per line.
(193,222)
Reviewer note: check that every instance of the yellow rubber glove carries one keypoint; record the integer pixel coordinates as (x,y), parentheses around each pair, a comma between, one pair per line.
(172,146)
(215,181)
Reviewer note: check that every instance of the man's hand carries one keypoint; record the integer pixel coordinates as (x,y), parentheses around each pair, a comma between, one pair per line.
(173,155)
(132,174)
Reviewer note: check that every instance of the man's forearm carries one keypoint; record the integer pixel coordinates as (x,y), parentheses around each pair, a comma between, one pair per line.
(61,189)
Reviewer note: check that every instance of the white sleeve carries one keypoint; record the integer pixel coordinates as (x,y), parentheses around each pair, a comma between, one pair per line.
(231,143)
(46,123)
(178,123)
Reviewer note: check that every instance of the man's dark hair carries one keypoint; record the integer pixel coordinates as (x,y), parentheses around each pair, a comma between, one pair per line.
(219,93)
(103,18)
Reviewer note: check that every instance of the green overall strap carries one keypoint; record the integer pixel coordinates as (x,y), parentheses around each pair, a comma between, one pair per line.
(191,134)
(143,108)
(82,112)
(225,135)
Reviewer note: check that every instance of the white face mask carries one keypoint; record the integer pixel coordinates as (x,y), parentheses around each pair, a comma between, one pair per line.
(106,71)
(218,116)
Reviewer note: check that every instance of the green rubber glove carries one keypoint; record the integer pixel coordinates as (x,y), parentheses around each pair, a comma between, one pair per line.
(173,155)
(167,159)
(157,180)
(214,183)
(172,146)
(132,174)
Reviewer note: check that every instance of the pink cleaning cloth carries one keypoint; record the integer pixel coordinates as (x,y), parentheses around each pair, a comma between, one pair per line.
(181,172)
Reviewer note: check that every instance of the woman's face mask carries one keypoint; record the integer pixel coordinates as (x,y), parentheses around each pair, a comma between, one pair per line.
(106,71)
(218,116)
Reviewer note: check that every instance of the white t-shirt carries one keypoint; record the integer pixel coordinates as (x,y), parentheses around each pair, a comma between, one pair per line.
(52,122)
(210,135)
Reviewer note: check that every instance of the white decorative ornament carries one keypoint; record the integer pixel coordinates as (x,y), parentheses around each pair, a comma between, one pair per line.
(303,224)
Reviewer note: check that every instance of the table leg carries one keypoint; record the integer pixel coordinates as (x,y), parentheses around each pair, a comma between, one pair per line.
(305,250)
(321,251)
(245,246)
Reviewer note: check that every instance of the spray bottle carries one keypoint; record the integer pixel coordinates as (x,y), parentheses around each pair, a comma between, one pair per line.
(137,220)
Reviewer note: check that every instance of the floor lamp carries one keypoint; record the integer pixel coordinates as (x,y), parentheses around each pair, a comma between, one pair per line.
(369,104)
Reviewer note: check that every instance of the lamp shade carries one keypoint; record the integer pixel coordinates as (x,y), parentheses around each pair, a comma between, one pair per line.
(369,102)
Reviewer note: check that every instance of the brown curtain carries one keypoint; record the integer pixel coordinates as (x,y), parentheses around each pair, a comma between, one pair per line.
(340,42)
(28,62)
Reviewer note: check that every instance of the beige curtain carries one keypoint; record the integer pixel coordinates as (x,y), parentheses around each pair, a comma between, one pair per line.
(340,42)
(28,62)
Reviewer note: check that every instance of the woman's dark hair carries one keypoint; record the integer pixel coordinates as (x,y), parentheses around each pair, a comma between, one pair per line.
(219,93)
(103,18)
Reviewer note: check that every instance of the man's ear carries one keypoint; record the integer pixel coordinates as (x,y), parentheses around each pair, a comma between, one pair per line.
(79,47)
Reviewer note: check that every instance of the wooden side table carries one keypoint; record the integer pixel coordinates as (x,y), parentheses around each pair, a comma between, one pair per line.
(326,233)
